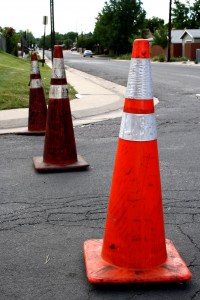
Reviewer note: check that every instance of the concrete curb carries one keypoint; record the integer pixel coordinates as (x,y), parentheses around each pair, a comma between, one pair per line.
(98,100)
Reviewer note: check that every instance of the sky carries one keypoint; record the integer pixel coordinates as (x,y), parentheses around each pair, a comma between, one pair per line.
(69,15)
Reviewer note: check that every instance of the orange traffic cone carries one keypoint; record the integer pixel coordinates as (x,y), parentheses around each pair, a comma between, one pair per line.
(37,105)
(134,248)
(59,147)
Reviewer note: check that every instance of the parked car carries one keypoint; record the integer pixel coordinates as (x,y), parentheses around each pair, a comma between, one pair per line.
(74,49)
(87,53)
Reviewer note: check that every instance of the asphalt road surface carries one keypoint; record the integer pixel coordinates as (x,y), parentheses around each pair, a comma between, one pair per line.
(169,79)
(45,218)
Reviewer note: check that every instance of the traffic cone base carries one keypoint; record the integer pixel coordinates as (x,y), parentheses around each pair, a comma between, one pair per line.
(28,132)
(100,271)
(41,166)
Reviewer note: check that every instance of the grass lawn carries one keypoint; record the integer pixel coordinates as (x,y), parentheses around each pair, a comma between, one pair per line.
(14,81)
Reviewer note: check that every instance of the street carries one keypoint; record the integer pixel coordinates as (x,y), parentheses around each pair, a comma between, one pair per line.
(45,218)
(167,78)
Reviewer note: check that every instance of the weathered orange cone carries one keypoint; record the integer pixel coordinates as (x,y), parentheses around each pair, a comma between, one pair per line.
(59,147)
(37,105)
(134,248)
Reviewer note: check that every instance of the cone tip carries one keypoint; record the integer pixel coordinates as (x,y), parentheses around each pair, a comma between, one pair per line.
(141,49)
(58,53)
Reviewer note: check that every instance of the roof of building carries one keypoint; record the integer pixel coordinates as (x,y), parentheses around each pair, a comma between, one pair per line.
(194,33)
(175,36)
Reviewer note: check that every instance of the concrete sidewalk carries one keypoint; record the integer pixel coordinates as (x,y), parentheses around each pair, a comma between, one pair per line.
(97,100)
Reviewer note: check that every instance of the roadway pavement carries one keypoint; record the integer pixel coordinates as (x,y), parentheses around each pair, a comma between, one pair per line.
(45,218)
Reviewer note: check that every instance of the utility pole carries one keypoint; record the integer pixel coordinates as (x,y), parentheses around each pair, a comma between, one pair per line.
(169,32)
(52,27)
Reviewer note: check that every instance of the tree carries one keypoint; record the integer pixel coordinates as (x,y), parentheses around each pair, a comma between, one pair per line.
(186,16)
(154,24)
(85,41)
(70,38)
(117,22)
(160,37)
(180,15)
(47,42)
(195,15)
(12,39)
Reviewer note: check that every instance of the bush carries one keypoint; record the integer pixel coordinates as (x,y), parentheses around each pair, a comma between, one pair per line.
(160,58)
(173,59)
(125,56)
(155,58)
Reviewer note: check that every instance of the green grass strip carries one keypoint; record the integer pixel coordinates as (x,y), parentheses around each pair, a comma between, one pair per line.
(14,81)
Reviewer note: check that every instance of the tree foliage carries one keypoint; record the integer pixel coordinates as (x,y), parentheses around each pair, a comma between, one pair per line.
(69,39)
(118,20)
(154,24)
(60,39)
(180,15)
(195,15)
(86,41)
(186,16)
(160,37)
(12,38)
